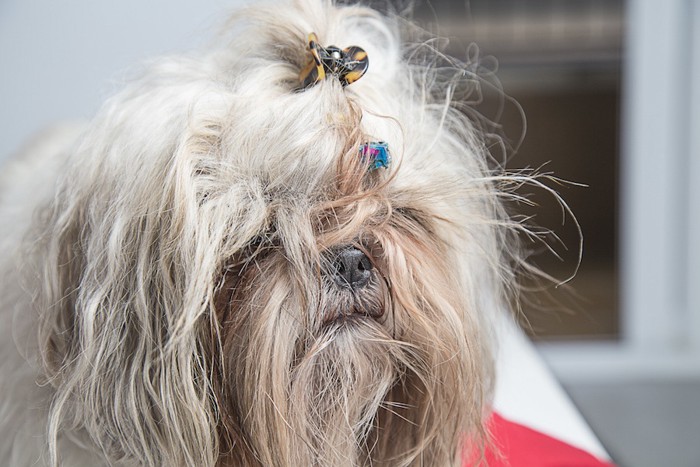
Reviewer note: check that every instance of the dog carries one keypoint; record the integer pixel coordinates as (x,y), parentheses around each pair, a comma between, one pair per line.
(255,257)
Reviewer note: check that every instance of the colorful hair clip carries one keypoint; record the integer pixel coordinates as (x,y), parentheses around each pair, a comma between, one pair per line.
(348,64)
(377,153)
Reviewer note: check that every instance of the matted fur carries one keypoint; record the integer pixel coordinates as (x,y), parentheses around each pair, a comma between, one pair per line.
(175,255)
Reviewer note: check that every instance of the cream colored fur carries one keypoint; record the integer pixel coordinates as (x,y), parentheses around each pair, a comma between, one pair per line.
(165,298)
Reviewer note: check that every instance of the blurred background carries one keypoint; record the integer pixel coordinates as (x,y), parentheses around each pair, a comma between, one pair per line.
(611,94)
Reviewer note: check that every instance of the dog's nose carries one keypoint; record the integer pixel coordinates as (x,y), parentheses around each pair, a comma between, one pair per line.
(353,268)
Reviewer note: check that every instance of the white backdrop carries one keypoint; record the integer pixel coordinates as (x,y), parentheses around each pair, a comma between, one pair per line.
(60,59)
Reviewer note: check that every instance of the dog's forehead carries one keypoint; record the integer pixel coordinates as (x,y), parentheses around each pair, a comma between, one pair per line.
(283,133)
(298,142)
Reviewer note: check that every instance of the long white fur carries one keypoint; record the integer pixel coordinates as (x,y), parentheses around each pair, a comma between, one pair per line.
(174,176)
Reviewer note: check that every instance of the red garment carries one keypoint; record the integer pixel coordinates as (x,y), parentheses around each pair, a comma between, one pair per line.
(515,445)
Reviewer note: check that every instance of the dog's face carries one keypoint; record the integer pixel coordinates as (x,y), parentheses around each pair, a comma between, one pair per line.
(227,281)
(346,333)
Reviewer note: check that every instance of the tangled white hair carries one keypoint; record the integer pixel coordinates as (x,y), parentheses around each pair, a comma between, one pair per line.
(176,267)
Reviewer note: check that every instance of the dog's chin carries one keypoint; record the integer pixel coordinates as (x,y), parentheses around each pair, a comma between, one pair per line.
(338,385)
(348,322)
(359,330)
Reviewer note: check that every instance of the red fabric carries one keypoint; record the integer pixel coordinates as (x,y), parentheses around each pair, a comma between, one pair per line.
(515,445)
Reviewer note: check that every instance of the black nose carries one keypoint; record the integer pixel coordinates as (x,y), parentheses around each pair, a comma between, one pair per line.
(352,268)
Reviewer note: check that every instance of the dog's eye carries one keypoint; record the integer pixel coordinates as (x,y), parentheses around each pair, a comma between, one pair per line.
(252,251)
(258,243)
(413,219)
(261,243)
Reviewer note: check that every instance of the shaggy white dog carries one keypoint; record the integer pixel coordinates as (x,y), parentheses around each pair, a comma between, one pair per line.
(210,273)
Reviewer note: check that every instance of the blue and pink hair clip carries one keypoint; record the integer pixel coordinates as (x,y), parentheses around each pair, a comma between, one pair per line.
(377,153)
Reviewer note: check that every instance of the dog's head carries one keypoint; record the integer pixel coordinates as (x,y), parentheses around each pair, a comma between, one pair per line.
(226,279)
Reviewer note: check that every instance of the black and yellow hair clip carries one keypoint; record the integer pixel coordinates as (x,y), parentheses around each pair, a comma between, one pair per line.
(348,64)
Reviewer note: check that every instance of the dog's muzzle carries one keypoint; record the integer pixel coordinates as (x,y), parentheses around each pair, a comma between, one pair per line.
(352,268)
(353,289)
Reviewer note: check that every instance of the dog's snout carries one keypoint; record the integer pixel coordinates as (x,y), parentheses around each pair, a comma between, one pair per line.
(352,268)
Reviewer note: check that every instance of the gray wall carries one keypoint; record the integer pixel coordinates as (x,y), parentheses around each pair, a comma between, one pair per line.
(60,59)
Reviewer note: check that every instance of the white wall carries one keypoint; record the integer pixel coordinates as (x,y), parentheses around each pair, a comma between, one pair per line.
(60,59)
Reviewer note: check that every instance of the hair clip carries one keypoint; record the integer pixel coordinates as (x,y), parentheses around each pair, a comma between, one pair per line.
(348,64)
(377,153)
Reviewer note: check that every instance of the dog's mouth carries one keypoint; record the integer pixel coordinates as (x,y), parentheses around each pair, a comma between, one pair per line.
(363,308)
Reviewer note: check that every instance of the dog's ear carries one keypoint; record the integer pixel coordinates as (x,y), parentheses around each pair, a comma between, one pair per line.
(128,261)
